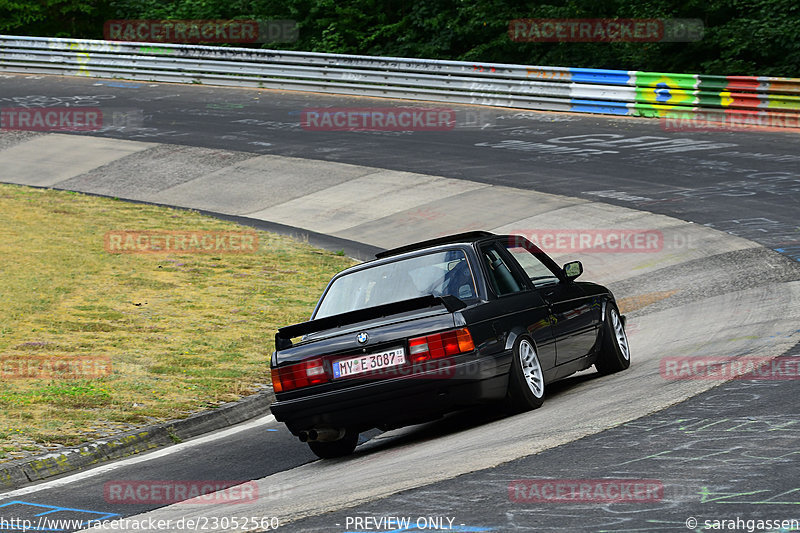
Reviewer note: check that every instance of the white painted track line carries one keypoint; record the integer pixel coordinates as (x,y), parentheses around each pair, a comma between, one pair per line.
(149,456)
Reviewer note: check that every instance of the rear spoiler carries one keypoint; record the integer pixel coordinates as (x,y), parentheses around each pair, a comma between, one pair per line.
(284,336)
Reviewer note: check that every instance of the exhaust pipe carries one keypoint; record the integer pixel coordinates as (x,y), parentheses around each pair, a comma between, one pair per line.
(324,435)
(303,436)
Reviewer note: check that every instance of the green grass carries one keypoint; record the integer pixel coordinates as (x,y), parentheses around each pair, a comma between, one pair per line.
(182,332)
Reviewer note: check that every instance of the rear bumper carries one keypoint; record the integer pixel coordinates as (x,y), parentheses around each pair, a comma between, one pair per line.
(397,401)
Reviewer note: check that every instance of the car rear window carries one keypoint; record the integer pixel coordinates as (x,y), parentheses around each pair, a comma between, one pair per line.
(437,273)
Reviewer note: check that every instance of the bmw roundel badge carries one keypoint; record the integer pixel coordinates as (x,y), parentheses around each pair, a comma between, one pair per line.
(362,337)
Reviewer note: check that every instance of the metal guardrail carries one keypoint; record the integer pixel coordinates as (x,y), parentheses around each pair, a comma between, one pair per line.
(615,92)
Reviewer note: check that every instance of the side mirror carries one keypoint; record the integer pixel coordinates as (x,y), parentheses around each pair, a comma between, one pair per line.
(573,269)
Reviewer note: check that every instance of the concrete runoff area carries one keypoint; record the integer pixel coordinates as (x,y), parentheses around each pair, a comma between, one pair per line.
(145,174)
(702,316)
(485,207)
(363,200)
(259,183)
(668,241)
(66,156)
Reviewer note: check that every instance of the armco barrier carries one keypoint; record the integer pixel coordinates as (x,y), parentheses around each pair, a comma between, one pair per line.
(617,92)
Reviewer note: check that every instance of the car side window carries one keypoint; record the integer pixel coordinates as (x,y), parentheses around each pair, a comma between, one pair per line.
(537,271)
(501,277)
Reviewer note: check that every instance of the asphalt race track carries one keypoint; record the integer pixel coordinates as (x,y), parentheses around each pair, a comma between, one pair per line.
(724,453)
(739,182)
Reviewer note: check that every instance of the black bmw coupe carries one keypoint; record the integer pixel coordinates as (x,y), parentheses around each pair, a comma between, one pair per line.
(436,326)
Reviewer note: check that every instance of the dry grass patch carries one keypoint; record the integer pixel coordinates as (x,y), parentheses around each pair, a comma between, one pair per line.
(180,333)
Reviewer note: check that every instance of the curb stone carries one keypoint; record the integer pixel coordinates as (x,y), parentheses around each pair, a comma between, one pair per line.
(15,474)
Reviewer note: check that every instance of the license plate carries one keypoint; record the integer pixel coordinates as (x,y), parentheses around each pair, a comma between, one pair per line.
(368,363)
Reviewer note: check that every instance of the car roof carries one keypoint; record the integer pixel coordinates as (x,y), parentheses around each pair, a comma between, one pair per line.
(467,237)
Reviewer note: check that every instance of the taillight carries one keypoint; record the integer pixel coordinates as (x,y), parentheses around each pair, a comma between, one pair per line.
(440,345)
(299,375)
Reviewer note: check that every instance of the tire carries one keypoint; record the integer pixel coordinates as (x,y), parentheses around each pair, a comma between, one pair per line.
(615,352)
(336,448)
(526,378)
